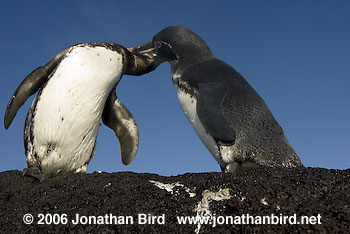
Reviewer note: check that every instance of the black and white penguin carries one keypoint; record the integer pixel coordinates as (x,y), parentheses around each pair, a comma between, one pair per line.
(76,90)
(230,118)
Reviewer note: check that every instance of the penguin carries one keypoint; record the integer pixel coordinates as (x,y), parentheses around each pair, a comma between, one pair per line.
(76,89)
(228,115)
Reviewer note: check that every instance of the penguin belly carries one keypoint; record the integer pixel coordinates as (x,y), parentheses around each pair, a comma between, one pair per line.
(66,114)
(188,105)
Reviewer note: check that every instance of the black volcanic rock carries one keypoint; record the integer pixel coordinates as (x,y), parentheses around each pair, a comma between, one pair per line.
(321,193)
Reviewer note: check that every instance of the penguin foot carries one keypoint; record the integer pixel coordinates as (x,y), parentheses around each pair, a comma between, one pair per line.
(234,167)
(33,172)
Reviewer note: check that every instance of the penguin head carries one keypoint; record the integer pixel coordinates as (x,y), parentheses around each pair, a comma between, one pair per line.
(177,45)
(181,44)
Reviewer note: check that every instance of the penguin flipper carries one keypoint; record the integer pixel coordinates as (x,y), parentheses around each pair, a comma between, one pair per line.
(210,113)
(29,86)
(117,117)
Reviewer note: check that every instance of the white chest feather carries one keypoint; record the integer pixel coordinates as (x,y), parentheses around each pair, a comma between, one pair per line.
(188,105)
(70,107)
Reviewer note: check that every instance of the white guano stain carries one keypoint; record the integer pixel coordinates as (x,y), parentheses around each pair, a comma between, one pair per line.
(264,202)
(170,187)
(203,207)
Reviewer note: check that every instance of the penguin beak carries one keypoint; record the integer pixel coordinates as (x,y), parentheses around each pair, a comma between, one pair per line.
(144,49)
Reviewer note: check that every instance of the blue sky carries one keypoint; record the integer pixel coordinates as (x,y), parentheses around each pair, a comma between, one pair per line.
(294,53)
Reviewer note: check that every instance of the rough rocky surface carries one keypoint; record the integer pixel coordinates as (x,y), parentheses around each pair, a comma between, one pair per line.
(305,192)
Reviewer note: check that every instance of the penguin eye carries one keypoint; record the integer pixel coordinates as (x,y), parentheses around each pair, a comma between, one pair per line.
(158,44)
